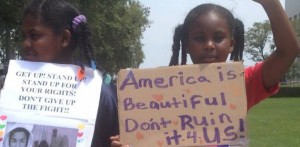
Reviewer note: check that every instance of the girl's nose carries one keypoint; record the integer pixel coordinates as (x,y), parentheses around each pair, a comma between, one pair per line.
(209,45)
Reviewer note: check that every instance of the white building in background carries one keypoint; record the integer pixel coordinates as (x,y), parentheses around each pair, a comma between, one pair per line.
(292,8)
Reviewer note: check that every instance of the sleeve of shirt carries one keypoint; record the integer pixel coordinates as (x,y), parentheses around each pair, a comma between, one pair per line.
(107,124)
(255,89)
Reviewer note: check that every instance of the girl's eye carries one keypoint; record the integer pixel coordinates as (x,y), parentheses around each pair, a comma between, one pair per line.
(218,38)
(34,36)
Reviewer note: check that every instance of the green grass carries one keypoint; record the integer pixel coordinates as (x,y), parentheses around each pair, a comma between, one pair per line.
(275,122)
(291,85)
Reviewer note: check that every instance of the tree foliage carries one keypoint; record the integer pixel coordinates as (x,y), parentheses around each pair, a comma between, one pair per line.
(117,31)
(10,15)
(117,27)
(257,38)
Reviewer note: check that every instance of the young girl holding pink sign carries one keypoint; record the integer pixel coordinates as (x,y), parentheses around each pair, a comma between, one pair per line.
(210,33)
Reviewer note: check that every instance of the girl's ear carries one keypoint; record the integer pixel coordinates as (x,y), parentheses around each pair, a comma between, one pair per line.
(232,43)
(66,38)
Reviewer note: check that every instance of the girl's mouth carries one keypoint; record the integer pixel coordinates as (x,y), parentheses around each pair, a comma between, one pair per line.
(29,56)
(209,59)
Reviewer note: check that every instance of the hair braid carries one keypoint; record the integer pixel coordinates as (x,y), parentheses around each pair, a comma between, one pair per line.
(183,54)
(86,48)
(176,46)
(81,43)
(238,34)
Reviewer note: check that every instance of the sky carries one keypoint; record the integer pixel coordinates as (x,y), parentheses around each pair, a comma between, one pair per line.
(165,15)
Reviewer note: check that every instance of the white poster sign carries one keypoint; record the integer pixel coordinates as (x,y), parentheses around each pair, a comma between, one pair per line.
(48,104)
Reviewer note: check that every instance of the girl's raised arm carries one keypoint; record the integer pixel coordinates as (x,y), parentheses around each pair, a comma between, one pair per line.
(287,45)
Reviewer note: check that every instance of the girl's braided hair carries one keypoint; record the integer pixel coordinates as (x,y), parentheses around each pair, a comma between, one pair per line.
(180,37)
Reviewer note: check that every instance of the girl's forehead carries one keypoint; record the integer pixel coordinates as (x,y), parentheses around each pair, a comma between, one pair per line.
(211,16)
(209,24)
(30,19)
(31,22)
(211,20)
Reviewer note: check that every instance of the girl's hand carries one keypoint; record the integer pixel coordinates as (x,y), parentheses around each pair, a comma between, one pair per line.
(265,1)
(259,1)
(115,142)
